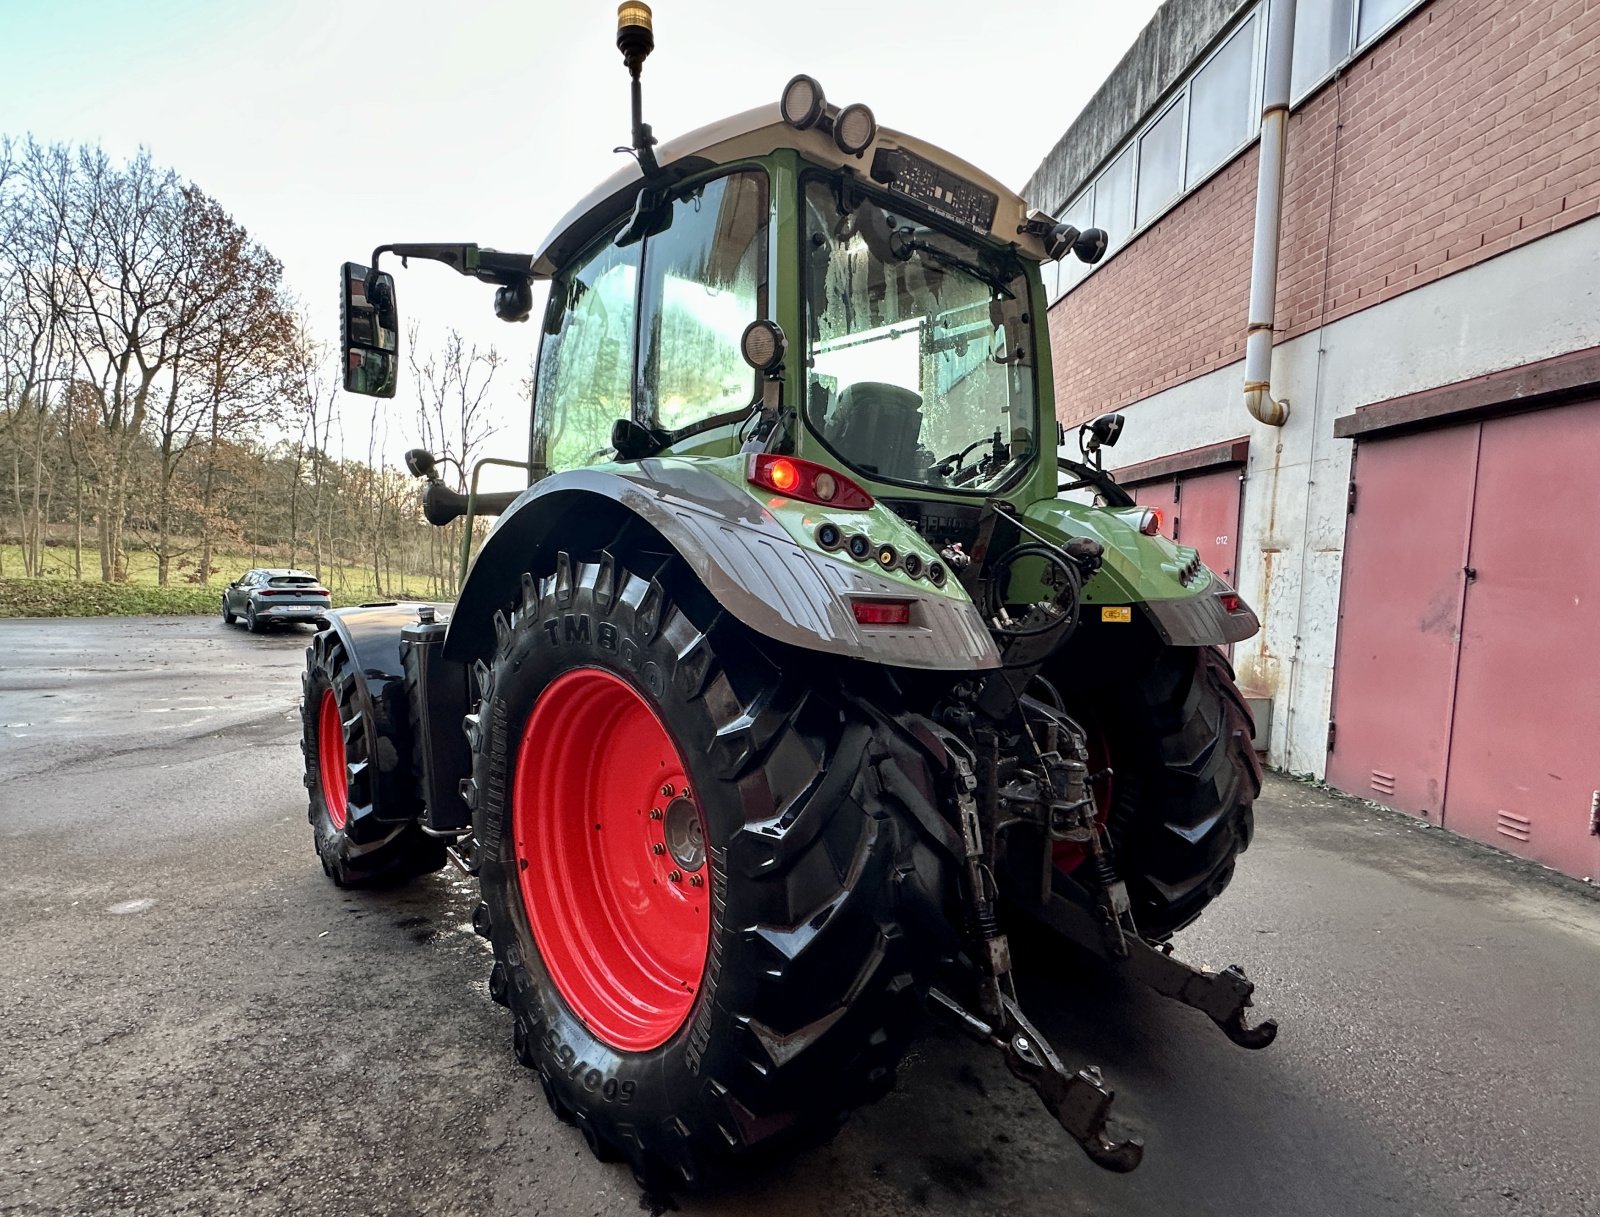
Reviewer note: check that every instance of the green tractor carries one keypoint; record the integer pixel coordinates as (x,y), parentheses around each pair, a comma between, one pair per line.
(790,682)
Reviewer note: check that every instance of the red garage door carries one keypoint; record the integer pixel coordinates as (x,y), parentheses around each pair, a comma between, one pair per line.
(1525,748)
(1467,684)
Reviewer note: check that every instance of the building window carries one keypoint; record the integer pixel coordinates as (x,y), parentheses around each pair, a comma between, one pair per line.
(1160,163)
(1212,115)
(1220,117)
(1113,200)
(1322,33)
(1376,16)
(1061,277)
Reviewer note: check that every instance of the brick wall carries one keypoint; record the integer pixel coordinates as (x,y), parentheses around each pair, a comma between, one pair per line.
(1471,129)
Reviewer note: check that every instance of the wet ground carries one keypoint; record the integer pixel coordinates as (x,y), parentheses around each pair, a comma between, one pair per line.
(193,1020)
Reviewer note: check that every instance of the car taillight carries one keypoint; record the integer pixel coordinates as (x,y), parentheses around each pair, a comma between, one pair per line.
(882,612)
(807,481)
(1150,522)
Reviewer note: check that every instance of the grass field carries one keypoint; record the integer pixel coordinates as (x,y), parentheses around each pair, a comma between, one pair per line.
(58,594)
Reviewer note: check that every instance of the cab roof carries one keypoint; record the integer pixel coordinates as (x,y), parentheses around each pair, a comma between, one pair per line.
(755,133)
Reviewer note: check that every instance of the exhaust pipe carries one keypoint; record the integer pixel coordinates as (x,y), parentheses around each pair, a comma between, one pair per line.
(1258,397)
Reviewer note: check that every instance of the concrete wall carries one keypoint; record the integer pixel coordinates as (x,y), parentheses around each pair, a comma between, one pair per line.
(1539,300)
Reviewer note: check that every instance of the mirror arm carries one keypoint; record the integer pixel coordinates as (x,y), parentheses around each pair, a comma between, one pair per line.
(485,265)
(512,273)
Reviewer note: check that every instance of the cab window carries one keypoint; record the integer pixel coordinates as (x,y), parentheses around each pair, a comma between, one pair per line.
(585,377)
(704,282)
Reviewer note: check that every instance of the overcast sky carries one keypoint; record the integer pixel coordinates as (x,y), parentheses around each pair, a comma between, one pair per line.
(329,127)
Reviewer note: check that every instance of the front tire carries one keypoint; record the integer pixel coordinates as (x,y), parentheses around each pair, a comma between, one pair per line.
(358,778)
(228,617)
(682,1025)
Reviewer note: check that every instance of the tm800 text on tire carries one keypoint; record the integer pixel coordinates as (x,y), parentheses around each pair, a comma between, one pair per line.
(694,882)
(363,801)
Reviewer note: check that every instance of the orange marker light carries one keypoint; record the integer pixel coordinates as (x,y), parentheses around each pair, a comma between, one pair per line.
(783,475)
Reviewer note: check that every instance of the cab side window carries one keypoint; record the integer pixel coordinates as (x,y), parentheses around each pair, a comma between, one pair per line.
(705,280)
(585,376)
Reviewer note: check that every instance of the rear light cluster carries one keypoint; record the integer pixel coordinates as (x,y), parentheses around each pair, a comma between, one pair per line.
(885,556)
(292,591)
(1232,602)
(806,481)
(812,483)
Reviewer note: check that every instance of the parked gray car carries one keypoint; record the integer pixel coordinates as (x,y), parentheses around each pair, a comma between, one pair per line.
(270,597)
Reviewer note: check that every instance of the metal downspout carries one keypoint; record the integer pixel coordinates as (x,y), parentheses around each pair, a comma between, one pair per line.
(1258,397)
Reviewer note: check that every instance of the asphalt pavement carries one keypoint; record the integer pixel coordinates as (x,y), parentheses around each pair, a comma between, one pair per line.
(194,1020)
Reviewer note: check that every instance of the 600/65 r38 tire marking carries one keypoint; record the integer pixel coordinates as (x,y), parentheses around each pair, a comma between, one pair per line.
(621,914)
(682,1025)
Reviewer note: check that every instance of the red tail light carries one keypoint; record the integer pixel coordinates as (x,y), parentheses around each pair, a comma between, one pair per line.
(804,480)
(1231,602)
(882,612)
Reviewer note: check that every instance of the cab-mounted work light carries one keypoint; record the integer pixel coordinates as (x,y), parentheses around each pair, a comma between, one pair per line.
(803,103)
(804,107)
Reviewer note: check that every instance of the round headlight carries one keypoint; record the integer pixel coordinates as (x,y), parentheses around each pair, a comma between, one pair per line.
(855,129)
(763,345)
(802,103)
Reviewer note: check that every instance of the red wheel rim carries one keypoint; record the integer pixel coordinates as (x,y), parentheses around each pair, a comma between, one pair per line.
(611,859)
(330,760)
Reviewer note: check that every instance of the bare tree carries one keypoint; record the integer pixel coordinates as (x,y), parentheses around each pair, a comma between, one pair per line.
(453,386)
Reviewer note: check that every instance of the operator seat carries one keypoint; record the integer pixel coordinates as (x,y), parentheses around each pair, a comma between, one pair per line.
(877,427)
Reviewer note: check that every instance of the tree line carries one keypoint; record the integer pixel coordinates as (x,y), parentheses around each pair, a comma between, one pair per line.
(161,393)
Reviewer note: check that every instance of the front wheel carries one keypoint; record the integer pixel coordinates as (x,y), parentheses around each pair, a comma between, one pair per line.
(362,801)
(228,617)
(696,887)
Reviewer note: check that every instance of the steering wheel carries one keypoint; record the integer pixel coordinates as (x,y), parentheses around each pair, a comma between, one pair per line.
(951,465)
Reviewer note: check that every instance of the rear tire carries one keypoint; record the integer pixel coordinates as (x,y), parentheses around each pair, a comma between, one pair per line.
(251,623)
(1185,777)
(805,997)
(353,820)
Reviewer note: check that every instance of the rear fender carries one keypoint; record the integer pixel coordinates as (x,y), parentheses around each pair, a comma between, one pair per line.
(754,555)
(1181,597)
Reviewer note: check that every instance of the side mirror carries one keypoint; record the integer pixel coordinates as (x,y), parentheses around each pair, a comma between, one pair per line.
(369,323)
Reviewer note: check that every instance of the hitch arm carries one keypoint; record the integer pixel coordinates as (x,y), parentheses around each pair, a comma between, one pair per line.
(1223,996)
(1079,1101)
